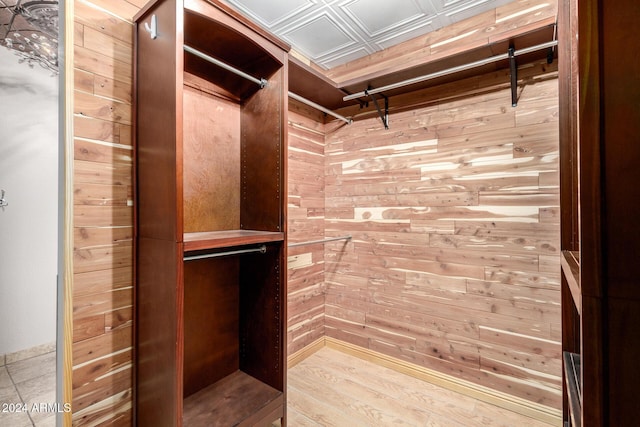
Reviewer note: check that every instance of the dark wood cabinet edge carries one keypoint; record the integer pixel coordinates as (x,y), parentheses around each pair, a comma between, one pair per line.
(228,10)
(145,9)
(572,383)
(571,269)
(256,28)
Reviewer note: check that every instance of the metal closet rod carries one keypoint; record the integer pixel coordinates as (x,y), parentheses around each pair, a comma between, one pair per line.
(450,70)
(262,249)
(320,107)
(312,242)
(261,82)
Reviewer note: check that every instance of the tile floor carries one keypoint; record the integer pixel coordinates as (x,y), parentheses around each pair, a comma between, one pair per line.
(24,383)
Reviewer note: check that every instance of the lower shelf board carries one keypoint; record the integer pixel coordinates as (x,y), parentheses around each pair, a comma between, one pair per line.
(228,238)
(574,388)
(238,399)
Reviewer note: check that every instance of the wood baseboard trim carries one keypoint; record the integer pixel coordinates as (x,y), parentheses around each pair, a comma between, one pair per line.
(503,400)
(303,353)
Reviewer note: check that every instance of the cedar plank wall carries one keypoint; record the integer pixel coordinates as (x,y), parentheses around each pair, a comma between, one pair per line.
(103,215)
(517,17)
(306,222)
(103,294)
(454,263)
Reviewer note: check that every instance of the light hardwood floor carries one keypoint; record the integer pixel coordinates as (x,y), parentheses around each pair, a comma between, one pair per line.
(331,388)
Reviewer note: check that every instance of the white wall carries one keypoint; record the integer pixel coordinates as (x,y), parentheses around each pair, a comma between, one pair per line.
(28,226)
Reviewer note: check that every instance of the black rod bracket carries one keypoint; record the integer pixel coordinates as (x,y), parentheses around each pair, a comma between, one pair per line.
(384,116)
(552,50)
(514,77)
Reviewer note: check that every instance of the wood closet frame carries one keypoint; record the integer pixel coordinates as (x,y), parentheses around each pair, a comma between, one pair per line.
(210,182)
(599,78)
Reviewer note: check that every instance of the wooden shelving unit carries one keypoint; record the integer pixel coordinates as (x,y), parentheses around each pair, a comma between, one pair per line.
(210,217)
(600,238)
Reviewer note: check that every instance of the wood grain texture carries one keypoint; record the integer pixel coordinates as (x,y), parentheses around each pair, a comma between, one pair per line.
(103,157)
(263,145)
(226,160)
(102,378)
(500,24)
(238,398)
(64,347)
(335,388)
(453,265)
(211,147)
(601,297)
(211,346)
(306,222)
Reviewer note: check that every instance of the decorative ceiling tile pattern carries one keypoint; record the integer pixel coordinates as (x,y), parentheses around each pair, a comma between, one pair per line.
(333,32)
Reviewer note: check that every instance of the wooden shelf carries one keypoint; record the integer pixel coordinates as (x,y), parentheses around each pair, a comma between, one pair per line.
(570,262)
(313,85)
(212,30)
(228,238)
(238,399)
(538,33)
(574,388)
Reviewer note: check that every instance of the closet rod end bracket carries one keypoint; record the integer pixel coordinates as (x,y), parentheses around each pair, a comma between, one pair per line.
(513,66)
(550,55)
(384,116)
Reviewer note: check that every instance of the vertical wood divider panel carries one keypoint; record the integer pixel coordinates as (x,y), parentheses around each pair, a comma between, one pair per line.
(64,363)
(603,154)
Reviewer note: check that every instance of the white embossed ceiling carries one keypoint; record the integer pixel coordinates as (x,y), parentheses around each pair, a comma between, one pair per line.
(333,32)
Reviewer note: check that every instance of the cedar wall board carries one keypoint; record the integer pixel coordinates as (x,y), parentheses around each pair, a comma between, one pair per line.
(502,23)
(103,213)
(305,222)
(506,296)
(454,261)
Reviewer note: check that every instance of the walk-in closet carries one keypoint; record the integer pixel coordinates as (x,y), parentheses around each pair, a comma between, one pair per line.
(349,212)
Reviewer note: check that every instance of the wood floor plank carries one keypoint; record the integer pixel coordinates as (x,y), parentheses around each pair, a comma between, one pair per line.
(313,409)
(331,388)
(403,389)
(339,393)
(296,418)
(376,406)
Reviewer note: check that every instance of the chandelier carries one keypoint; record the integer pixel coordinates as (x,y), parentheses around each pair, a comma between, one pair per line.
(30,30)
